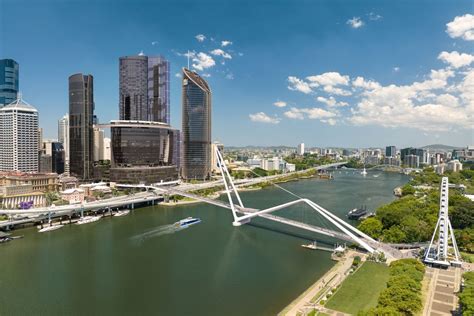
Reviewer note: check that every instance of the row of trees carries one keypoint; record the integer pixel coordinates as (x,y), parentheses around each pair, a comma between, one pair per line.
(307,161)
(413,217)
(403,293)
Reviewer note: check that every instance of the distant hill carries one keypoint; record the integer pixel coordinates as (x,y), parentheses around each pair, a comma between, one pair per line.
(440,147)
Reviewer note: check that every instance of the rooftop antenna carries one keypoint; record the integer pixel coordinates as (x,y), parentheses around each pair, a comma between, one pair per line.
(188,58)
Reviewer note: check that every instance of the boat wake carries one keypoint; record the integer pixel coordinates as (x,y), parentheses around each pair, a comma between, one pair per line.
(156,232)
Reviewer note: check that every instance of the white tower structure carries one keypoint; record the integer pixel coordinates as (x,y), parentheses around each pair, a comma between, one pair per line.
(19,137)
(98,144)
(443,251)
(300,149)
(63,138)
(107,152)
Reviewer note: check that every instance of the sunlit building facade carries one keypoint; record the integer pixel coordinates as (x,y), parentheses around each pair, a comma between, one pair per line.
(196,127)
(81,112)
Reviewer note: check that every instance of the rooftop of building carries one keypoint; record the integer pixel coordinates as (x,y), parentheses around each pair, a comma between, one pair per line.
(138,124)
(20,174)
(198,80)
(19,104)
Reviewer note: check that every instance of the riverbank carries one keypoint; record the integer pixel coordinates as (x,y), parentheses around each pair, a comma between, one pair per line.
(310,299)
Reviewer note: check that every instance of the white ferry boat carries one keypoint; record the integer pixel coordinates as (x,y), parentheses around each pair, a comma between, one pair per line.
(185,223)
(311,246)
(364,172)
(50,228)
(122,213)
(87,220)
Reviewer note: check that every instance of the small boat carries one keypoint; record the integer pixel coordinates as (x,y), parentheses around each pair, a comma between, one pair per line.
(364,172)
(50,228)
(357,213)
(185,223)
(87,220)
(122,213)
(312,246)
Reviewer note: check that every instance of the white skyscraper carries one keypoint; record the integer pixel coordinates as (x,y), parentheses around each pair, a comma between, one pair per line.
(98,144)
(63,137)
(300,149)
(107,152)
(19,137)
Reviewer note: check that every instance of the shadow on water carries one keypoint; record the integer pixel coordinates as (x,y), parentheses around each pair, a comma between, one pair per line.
(292,234)
(156,232)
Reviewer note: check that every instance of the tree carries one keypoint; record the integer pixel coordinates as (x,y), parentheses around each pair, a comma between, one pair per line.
(371,226)
(407,189)
(394,235)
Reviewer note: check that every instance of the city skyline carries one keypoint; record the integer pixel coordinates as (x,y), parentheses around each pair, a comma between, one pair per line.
(286,94)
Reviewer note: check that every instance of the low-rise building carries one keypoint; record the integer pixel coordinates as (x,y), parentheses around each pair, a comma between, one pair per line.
(73,195)
(454,165)
(40,182)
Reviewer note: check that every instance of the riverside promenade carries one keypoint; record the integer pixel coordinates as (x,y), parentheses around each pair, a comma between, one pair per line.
(310,299)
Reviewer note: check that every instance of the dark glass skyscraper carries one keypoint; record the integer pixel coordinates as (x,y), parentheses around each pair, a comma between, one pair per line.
(81,113)
(196,128)
(144,88)
(8,81)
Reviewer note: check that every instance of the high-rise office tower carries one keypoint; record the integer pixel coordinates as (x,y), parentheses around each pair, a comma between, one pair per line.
(81,112)
(196,126)
(144,88)
(8,81)
(390,151)
(98,144)
(19,137)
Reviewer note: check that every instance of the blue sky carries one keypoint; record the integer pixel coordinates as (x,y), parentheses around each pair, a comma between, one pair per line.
(305,56)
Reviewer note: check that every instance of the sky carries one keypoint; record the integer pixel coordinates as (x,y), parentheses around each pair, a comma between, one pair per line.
(326,73)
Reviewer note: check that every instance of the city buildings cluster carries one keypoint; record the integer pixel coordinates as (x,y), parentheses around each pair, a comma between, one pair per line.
(142,148)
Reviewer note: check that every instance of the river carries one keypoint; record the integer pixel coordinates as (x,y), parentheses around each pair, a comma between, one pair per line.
(137,265)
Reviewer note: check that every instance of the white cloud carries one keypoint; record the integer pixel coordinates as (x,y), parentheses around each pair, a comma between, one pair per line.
(297,84)
(374,16)
(396,69)
(336,91)
(355,22)
(328,79)
(226,43)
(456,59)
(206,75)
(202,61)
(280,104)
(177,75)
(220,52)
(154,43)
(360,82)
(261,117)
(462,26)
(435,104)
(311,113)
(200,37)
(294,114)
(331,102)
(229,76)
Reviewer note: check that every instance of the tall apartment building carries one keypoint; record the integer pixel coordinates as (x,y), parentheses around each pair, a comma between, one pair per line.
(81,112)
(196,127)
(300,149)
(144,91)
(19,137)
(63,138)
(9,83)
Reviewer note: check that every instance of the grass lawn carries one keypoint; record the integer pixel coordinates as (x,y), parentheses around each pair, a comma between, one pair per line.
(360,290)
(469,256)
